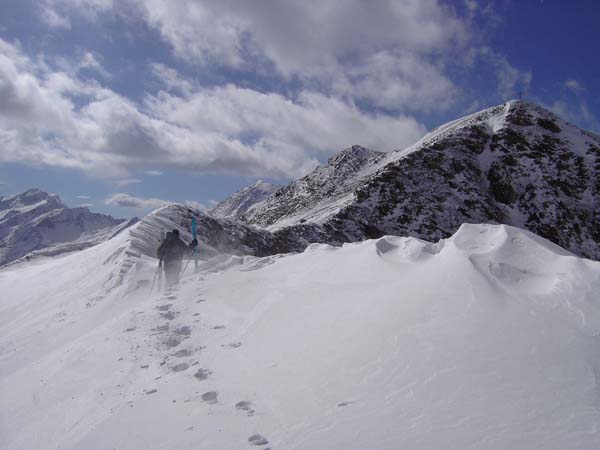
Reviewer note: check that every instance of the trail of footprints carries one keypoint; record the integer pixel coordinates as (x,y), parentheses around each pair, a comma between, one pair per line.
(172,337)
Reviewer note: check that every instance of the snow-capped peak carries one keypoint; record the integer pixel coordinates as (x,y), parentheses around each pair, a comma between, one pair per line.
(36,221)
(29,198)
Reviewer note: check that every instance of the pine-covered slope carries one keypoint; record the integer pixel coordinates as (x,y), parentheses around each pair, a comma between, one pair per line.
(516,164)
(237,204)
(36,221)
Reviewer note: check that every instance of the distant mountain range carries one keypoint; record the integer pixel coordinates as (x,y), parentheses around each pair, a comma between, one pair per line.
(37,223)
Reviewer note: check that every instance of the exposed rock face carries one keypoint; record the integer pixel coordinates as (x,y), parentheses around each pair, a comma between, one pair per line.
(317,193)
(516,164)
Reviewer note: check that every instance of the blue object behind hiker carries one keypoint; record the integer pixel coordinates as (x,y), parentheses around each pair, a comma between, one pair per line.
(171,253)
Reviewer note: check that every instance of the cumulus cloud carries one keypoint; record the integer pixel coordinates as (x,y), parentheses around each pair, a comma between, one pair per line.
(196,205)
(51,117)
(337,46)
(128,201)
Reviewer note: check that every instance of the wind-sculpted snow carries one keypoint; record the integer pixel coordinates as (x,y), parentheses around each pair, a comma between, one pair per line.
(35,223)
(515,163)
(487,340)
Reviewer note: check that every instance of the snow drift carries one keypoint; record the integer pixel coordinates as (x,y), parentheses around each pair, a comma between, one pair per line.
(486,340)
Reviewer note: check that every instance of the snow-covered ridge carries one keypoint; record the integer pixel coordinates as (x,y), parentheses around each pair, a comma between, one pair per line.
(487,340)
(38,223)
(319,193)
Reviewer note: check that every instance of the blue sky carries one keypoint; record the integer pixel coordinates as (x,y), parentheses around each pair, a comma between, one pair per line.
(123,105)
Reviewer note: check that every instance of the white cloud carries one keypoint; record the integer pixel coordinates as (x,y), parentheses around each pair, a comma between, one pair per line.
(574,86)
(577,113)
(83,197)
(50,117)
(153,173)
(396,80)
(128,201)
(341,47)
(91,62)
(85,205)
(196,205)
(127,182)
(511,80)
(54,19)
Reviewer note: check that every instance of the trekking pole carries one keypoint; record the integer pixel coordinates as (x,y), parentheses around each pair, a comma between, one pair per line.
(185,267)
(156,275)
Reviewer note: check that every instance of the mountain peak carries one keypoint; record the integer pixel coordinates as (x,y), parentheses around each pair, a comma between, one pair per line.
(30,197)
(36,220)
(354,153)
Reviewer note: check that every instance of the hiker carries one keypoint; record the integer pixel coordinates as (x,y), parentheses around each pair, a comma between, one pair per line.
(171,253)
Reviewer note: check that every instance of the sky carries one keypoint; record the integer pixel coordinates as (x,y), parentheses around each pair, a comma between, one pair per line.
(125,105)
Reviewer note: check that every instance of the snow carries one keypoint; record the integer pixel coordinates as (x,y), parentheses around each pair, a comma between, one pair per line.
(35,223)
(485,340)
(240,202)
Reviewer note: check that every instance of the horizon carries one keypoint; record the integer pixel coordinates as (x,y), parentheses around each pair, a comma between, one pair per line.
(123,107)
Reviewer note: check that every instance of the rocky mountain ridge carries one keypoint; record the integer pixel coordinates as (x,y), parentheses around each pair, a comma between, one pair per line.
(516,164)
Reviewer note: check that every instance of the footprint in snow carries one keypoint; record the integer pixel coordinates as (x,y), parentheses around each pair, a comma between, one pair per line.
(183,331)
(202,374)
(129,330)
(169,315)
(245,406)
(173,341)
(180,367)
(232,345)
(163,328)
(210,397)
(257,439)
(163,307)
(218,327)
(182,353)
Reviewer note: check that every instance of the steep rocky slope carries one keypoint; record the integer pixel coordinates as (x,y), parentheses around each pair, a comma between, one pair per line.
(516,164)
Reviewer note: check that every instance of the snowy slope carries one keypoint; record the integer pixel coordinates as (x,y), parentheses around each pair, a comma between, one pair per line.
(487,340)
(317,194)
(38,222)
(237,204)
(516,163)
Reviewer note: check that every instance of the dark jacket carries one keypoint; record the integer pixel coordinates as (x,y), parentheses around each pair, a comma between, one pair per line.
(173,249)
